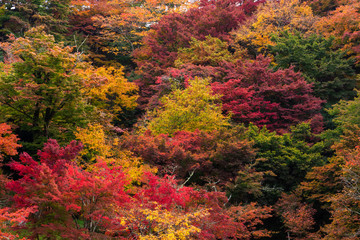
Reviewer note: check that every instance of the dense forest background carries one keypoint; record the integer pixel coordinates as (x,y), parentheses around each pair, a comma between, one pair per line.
(177,119)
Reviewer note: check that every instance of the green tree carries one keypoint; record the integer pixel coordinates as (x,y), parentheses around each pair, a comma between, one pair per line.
(346,116)
(287,158)
(195,107)
(40,85)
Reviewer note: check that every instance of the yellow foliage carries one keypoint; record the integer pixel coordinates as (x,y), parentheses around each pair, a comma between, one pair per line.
(162,224)
(109,90)
(274,17)
(195,107)
(99,145)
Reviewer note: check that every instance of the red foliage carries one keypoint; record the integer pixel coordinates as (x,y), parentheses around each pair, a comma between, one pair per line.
(65,196)
(259,95)
(174,31)
(10,220)
(57,185)
(82,23)
(218,155)
(252,92)
(81,19)
(56,157)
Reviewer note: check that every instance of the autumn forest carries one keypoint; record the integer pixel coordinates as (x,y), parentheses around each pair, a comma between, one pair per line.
(178,119)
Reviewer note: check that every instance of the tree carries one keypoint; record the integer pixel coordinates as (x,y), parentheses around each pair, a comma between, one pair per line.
(10,219)
(108,90)
(251,92)
(8,141)
(40,88)
(174,31)
(277,99)
(336,186)
(345,204)
(123,27)
(212,18)
(324,7)
(209,52)
(205,210)
(86,34)
(330,71)
(325,186)
(201,158)
(69,202)
(287,157)
(48,90)
(297,216)
(271,18)
(102,144)
(345,116)
(343,25)
(57,185)
(21,15)
(192,108)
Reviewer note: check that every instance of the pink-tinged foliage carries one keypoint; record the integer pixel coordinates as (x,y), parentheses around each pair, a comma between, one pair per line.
(298,217)
(259,95)
(174,31)
(252,92)
(239,222)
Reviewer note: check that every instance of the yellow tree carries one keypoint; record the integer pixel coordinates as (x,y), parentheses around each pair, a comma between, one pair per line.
(109,91)
(271,18)
(100,144)
(195,107)
(162,224)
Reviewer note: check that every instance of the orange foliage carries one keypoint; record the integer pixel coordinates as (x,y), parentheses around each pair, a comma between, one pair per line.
(344,25)
(124,23)
(274,17)
(297,216)
(108,90)
(8,141)
(12,219)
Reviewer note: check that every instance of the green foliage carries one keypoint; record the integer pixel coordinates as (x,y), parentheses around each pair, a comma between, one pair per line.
(195,107)
(289,157)
(40,87)
(347,112)
(328,69)
(21,15)
(346,115)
